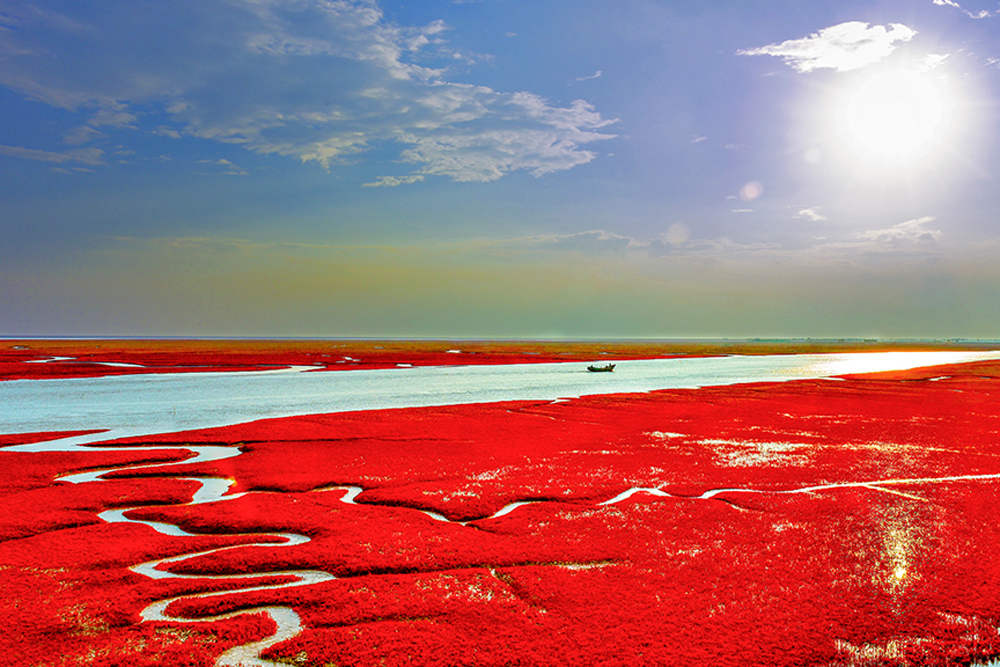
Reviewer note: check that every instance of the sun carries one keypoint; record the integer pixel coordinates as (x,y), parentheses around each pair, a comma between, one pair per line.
(896,117)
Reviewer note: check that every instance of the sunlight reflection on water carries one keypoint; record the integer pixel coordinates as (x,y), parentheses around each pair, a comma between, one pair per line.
(132,405)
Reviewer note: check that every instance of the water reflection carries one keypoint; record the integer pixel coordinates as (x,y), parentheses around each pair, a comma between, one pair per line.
(136,405)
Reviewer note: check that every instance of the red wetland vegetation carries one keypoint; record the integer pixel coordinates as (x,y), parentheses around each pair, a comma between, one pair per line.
(39,359)
(42,358)
(847,522)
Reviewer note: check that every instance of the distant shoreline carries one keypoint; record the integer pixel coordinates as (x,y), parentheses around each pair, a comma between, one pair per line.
(619,345)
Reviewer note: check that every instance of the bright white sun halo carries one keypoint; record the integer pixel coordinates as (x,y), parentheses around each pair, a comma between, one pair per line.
(895,117)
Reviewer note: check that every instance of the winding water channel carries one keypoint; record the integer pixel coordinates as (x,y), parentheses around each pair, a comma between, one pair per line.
(135,405)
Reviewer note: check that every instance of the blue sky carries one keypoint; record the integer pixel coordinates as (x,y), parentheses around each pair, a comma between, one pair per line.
(492,168)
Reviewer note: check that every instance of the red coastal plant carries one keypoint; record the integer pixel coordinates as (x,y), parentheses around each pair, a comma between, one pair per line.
(807,523)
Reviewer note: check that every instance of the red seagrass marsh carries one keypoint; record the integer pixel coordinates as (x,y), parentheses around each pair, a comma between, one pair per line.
(834,522)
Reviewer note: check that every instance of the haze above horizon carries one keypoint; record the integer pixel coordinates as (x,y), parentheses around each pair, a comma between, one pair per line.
(473,169)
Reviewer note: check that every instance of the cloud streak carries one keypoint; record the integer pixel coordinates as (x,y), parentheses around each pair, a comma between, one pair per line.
(322,81)
(91,156)
(393,181)
(811,214)
(843,47)
(983,14)
(912,231)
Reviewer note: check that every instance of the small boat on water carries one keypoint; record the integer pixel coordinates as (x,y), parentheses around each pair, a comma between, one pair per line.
(601,369)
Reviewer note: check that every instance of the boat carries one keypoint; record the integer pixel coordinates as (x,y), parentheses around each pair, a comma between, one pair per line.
(601,369)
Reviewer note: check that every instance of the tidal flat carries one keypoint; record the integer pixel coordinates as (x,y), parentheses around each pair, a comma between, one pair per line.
(838,520)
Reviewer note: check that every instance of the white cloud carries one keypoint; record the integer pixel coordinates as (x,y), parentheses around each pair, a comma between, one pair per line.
(982,14)
(417,42)
(316,80)
(165,131)
(933,61)
(114,115)
(393,181)
(230,169)
(595,75)
(594,242)
(914,231)
(674,241)
(487,156)
(908,241)
(470,153)
(811,214)
(90,156)
(842,47)
(677,234)
(434,27)
(80,135)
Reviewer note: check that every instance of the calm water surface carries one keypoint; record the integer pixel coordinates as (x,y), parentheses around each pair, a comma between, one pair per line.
(131,405)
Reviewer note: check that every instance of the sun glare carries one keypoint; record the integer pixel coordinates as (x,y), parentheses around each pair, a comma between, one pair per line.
(895,117)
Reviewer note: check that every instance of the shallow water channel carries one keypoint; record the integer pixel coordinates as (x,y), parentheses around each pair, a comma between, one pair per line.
(132,405)
(135,405)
